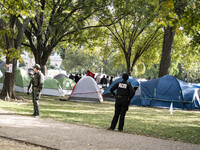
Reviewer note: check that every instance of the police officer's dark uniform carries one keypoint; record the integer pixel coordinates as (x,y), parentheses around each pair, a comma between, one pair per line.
(124,94)
(36,84)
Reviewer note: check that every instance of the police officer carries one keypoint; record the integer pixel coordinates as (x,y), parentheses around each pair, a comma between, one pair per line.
(125,92)
(36,84)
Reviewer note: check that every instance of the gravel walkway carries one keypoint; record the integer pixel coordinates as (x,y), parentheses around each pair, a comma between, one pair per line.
(52,134)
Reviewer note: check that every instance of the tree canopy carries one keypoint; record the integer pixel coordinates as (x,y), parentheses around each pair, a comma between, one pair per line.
(108,35)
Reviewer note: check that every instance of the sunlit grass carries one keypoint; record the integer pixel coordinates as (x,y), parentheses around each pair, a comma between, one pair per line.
(181,126)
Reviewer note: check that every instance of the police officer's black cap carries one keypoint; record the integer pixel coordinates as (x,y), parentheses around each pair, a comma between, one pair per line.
(37,66)
(125,76)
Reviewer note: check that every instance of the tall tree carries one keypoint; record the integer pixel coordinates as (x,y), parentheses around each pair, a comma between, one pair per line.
(175,14)
(134,33)
(59,21)
(13,22)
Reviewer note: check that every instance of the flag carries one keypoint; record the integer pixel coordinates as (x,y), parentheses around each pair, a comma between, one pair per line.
(89,73)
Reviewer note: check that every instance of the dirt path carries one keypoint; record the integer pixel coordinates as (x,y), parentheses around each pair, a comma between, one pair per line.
(8,144)
(65,136)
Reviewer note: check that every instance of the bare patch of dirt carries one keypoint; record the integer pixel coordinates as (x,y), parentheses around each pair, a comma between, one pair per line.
(8,144)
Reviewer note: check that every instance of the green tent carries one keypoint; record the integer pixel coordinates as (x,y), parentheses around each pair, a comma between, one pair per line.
(50,83)
(3,72)
(66,83)
(51,87)
(22,80)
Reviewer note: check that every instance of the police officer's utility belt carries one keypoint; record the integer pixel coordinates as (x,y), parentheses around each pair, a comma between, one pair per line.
(35,88)
(122,96)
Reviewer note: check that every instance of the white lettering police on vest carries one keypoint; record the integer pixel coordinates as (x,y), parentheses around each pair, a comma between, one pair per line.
(123,86)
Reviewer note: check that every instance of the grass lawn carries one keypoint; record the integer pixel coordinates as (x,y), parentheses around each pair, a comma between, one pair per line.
(154,122)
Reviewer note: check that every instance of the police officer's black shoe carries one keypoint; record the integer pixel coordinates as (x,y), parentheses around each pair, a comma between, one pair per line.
(110,128)
(120,130)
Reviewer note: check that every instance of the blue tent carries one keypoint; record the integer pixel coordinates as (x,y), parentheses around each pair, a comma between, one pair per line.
(108,96)
(163,91)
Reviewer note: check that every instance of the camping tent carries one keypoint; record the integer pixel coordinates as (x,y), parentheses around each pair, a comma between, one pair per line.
(163,91)
(136,99)
(22,80)
(51,87)
(107,94)
(86,90)
(61,75)
(66,83)
(2,63)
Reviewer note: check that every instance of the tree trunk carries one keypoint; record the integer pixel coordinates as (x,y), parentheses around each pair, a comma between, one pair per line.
(41,57)
(128,66)
(128,62)
(11,44)
(165,62)
(9,82)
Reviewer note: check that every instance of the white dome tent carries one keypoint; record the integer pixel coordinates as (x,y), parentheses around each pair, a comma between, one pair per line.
(86,90)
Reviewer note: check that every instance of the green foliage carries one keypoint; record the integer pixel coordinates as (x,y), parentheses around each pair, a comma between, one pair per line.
(12,53)
(150,72)
(22,64)
(25,8)
(181,14)
(185,58)
(79,60)
(13,13)
(133,31)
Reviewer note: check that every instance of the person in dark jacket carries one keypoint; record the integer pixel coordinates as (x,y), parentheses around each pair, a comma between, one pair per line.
(76,78)
(71,76)
(125,92)
(103,82)
(111,80)
(36,84)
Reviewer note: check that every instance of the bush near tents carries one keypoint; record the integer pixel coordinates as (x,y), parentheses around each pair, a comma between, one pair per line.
(86,90)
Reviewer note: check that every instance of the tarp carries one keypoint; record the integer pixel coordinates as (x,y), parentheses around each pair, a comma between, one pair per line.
(86,90)
(162,91)
(107,94)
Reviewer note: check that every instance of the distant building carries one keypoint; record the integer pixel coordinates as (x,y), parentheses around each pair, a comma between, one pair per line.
(56,60)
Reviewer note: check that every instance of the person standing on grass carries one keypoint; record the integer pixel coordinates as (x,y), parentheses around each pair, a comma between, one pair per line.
(36,84)
(125,93)
(104,82)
